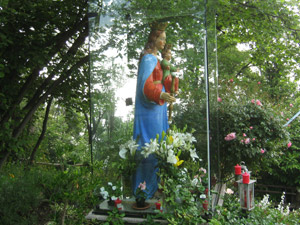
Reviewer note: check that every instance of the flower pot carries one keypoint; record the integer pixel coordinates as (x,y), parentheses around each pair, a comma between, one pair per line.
(140,202)
(111,202)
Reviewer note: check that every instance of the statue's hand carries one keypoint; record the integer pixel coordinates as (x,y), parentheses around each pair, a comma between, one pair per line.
(167,97)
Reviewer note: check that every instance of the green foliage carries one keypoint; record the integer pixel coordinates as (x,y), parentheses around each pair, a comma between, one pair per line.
(114,217)
(41,53)
(20,197)
(264,213)
(260,125)
(285,169)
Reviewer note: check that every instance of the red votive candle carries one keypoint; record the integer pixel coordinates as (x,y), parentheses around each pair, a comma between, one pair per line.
(118,204)
(238,169)
(205,205)
(246,178)
(158,205)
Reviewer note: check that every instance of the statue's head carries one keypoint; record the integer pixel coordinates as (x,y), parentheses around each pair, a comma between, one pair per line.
(166,52)
(156,36)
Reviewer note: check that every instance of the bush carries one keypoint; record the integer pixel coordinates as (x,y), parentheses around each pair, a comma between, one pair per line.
(258,135)
(264,213)
(20,197)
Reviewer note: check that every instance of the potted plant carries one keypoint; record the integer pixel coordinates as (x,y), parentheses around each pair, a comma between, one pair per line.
(141,195)
(109,192)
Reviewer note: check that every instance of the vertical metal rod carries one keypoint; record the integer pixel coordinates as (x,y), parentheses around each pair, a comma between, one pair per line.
(207,99)
(90,96)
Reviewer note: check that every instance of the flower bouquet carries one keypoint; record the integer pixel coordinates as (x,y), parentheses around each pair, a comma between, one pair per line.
(172,150)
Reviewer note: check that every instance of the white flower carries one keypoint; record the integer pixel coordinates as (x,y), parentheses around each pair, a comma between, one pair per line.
(229,191)
(104,194)
(202,196)
(149,148)
(114,188)
(114,198)
(122,152)
(109,183)
(193,154)
(178,140)
(194,182)
(190,138)
(102,189)
(171,157)
(131,144)
(265,202)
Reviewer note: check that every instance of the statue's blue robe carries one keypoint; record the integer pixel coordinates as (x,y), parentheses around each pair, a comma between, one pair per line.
(150,119)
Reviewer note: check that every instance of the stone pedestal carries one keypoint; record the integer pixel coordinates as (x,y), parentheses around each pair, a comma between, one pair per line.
(132,215)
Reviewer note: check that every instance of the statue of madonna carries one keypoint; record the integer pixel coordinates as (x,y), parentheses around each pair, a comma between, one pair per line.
(150,116)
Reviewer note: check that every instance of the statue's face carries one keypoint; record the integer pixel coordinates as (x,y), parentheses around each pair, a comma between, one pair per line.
(160,41)
(168,55)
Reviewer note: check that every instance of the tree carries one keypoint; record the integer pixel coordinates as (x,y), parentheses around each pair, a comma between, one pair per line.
(42,56)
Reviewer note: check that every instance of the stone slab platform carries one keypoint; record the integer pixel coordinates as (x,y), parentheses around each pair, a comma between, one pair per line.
(132,216)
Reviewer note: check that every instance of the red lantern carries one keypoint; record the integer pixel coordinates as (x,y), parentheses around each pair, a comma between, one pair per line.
(246,191)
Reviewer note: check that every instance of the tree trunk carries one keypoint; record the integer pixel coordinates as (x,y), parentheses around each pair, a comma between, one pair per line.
(43,132)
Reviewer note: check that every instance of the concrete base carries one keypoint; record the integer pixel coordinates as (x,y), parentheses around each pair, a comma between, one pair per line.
(132,216)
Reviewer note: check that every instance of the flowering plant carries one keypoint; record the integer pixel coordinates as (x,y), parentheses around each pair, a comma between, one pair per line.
(110,191)
(170,147)
(141,191)
(127,153)
(199,180)
(250,130)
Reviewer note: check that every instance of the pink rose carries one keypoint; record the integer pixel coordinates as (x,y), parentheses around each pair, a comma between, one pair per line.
(291,105)
(251,128)
(247,141)
(253,101)
(242,141)
(258,103)
(289,144)
(244,135)
(142,186)
(219,99)
(262,151)
(230,136)
(253,139)
(258,82)
(231,80)
(287,119)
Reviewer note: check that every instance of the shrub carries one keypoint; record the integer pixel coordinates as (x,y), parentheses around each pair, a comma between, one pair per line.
(257,133)
(20,197)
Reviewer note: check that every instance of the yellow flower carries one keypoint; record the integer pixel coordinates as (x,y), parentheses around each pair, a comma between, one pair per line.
(179,162)
(170,140)
(11,175)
